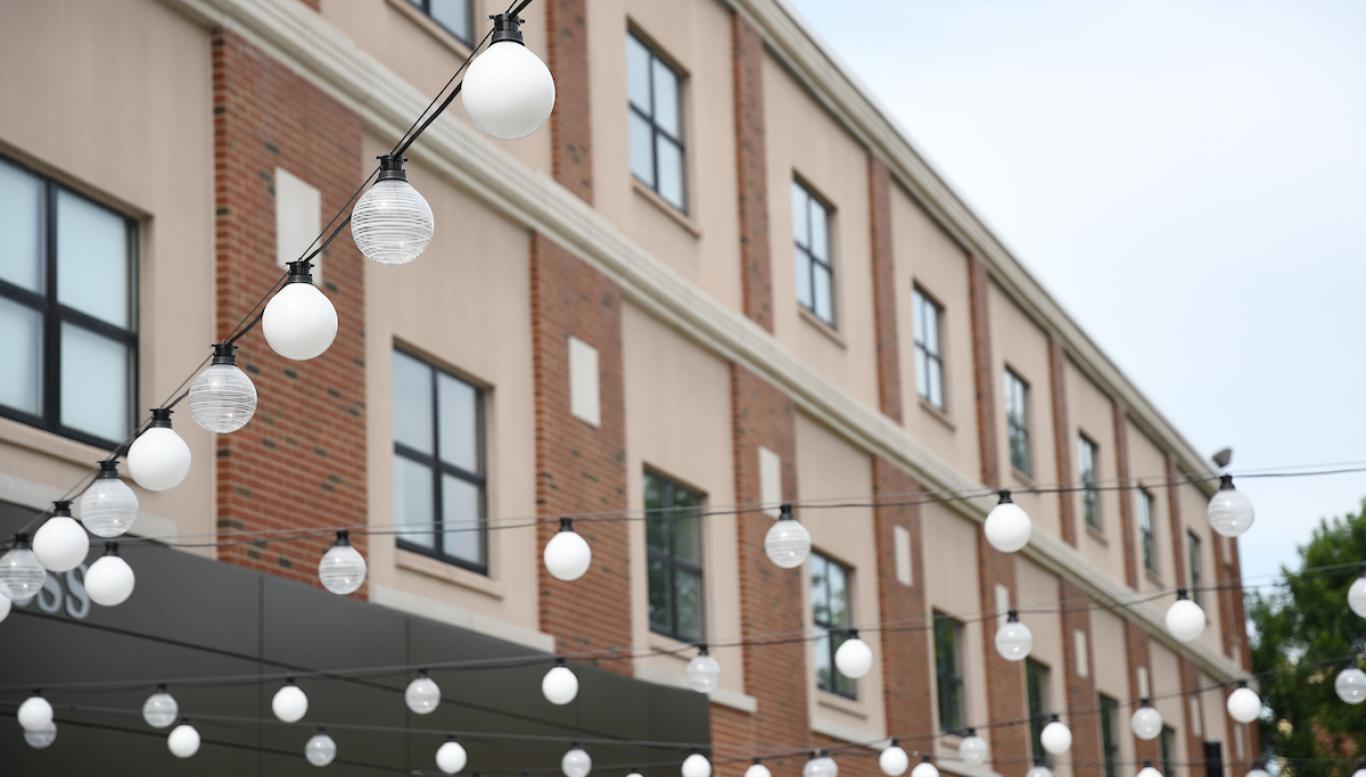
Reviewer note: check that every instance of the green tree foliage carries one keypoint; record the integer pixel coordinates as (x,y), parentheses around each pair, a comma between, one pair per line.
(1299,632)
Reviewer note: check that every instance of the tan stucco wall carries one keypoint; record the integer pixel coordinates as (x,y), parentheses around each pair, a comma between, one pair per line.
(1165,684)
(1038,590)
(1091,413)
(80,81)
(1111,671)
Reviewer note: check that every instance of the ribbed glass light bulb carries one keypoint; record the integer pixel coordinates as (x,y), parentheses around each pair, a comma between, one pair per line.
(1014,639)
(160,709)
(1230,512)
(576,762)
(20,571)
(108,507)
(1350,685)
(973,749)
(1146,722)
(222,399)
(787,543)
(41,737)
(422,694)
(342,568)
(704,673)
(320,749)
(1356,596)
(392,223)
(820,764)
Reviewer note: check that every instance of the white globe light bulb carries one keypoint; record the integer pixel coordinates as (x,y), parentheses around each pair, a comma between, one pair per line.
(1008,526)
(222,399)
(342,568)
(1056,737)
(1185,619)
(508,91)
(1258,771)
(109,581)
(1230,512)
(1244,705)
(1014,639)
(290,703)
(1350,685)
(321,749)
(60,543)
(925,769)
(158,459)
(5,603)
(1360,772)
(820,765)
(299,322)
(422,694)
(391,223)
(1356,596)
(972,749)
(893,760)
(160,709)
(695,765)
(567,555)
(576,763)
(183,740)
(1148,770)
(108,507)
(703,673)
(757,769)
(450,757)
(42,737)
(21,574)
(787,542)
(1146,721)
(1039,771)
(854,658)
(560,685)
(35,713)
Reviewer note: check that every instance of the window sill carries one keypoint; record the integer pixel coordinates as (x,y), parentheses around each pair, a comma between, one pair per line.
(448,573)
(48,443)
(938,415)
(1096,535)
(839,703)
(679,217)
(428,25)
(1152,577)
(1022,478)
(826,329)
(665,645)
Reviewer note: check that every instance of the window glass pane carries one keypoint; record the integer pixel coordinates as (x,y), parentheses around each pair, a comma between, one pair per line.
(412,403)
(642,150)
(839,596)
(460,510)
(21,342)
(92,259)
(803,278)
(637,74)
(688,604)
(656,521)
(800,228)
(820,590)
(824,665)
(821,292)
(687,536)
(820,238)
(454,15)
(413,514)
(922,372)
(94,383)
(21,222)
(666,99)
(931,327)
(458,409)
(659,595)
(669,160)
(935,380)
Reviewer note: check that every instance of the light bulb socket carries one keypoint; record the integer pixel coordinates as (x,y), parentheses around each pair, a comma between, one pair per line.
(391,169)
(343,538)
(422,673)
(851,634)
(785,513)
(924,759)
(161,687)
(1005,496)
(1147,764)
(61,508)
(892,743)
(1182,593)
(109,470)
(21,541)
(300,272)
(450,737)
(224,353)
(1054,718)
(756,760)
(972,732)
(161,418)
(702,649)
(184,721)
(559,660)
(1144,703)
(111,549)
(289,681)
(818,753)
(1225,482)
(507,27)
(1241,683)
(322,729)
(1012,616)
(566,524)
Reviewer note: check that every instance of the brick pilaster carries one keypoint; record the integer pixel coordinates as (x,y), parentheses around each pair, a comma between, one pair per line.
(1080,691)
(751,171)
(1062,438)
(906,657)
(1223,573)
(1191,707)
(571,125)
(884,288)
(1126,498)
(1137,655)
(983,371)
(301,461)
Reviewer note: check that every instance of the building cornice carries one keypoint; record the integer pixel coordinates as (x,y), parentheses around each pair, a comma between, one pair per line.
(302,40)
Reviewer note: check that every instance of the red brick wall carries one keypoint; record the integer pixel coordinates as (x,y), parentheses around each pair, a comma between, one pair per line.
(1224,596)
(1195,743)
(983,372)
(301,460)
(1062,438)
(571,126)
(1081,691)
(751,171)
(884,288)
(1137,652)
(1126,498)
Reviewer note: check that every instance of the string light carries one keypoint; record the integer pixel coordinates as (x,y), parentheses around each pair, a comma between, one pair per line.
(1013,639)
(1350,685)
(422,694)
(159,459)
(108,507)
(854,658)
(757,769)
(1148,770)
(1356,595)
(20,572)
(972,749)
(391,223)
(787,542)
(290,703)
(1056,737)
(1185,619)
(1258,770)
(893,760)
(109,581)
(576,762)
(1007,526)
(1146,722)
(820,764)
(1361,770)
(5,603)
(35,712)
(508,91)
(703,673)
(183,741)
(222,399)
(1230,512)
(160,709)
(695,765)
(60,543)
(40,738)
(559,685)
(1244,705)
(299,322)
(1039,770)
(450,757)
(321,749)
(567,555)
(925,768)
(341,570)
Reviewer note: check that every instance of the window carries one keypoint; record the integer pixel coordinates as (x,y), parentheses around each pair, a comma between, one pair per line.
(655,113)
(1036,686)
(948,671)
(68,291)
(830,614)
(453,15)
(1017,422)
(1109,739)
(1087,455)
(1167,743)
(439,495)
(1196,576)
(926,315)
(815,272)
(673,542)
(1146,509)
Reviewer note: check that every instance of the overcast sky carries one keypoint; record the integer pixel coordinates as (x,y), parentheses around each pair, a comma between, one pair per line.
(1188,179)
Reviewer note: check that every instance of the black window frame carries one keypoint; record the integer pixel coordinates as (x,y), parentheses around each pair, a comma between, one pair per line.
(439,467)
(54,314)
(948,672)
(1090,492)
(1036,701)
(834,633)
(805,248)
(657,131)
(1166,744)
(670,557)
(1147,529)
(1017,422)
(1109,734)
(1195,567)
(425,8)
(921,301)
